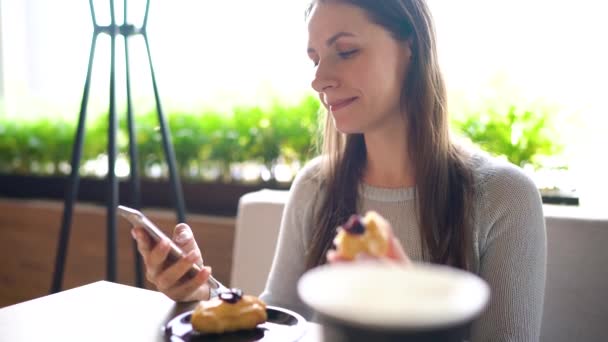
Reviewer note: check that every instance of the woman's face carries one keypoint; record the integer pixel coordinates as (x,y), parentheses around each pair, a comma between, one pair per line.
(359,67)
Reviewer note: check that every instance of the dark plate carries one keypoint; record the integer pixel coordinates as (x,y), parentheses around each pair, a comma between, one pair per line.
(282,325)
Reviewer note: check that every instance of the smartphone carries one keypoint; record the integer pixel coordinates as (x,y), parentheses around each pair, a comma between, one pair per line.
(140,220)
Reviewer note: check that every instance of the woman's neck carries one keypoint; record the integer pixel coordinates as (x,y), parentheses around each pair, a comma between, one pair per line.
(388,163)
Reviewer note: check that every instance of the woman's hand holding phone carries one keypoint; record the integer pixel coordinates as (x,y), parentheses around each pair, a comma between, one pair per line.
(171,276)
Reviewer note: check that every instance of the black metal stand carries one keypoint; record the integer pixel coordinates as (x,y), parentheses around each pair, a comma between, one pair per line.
(126,30)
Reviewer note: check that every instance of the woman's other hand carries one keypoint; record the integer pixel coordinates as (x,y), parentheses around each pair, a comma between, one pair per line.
(395,252)
(170,277)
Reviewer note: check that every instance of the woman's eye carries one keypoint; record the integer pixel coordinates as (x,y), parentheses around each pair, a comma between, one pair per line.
(347,54)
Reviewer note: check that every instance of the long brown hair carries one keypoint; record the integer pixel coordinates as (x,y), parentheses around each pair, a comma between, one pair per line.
(443,177)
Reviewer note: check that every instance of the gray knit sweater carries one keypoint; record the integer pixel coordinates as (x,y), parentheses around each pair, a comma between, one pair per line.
(508,244)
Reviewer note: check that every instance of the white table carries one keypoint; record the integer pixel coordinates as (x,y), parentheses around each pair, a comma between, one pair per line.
(101,311)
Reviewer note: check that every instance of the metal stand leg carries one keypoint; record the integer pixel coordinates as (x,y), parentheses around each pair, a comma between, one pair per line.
(112,199)
(167,145)
(126,30)
(72,185)
(133,160)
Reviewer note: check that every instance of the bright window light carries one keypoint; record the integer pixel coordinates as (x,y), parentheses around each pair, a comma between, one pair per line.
(218,54)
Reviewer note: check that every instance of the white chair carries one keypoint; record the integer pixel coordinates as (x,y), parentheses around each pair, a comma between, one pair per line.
(576,304)
(257,228)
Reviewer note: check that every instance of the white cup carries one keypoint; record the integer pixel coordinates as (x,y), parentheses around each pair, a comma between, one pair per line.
(380,301)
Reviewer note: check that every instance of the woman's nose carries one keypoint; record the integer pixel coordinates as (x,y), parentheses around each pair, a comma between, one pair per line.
(323,79)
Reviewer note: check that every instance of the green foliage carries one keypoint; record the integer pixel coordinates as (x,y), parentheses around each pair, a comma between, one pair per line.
(34,146)
(262,135)
(50,153)
(522,135)
(295,127)
(9,148)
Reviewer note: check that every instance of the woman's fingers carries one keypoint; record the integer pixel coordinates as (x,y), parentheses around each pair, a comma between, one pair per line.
(396,251)
(156,260)
(365,257)
(174,273)
(144,242)
(192,289)
(184,239)
(332,256)
(168,276)
(153,255)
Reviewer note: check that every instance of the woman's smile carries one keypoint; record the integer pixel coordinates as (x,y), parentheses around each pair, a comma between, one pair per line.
(339,104)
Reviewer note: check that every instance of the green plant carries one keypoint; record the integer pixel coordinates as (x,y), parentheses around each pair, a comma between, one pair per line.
(8,144)
(34,146)
(522,135)
(256,138)
(53,142)
(245,134)
(187,139)
(297,127)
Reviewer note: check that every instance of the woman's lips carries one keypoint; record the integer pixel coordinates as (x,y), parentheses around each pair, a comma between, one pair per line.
(336,106)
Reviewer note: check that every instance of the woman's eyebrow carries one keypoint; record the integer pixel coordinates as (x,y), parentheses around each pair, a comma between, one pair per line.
(331,40)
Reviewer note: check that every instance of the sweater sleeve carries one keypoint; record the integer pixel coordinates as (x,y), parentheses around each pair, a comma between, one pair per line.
(289,261)
(512,251)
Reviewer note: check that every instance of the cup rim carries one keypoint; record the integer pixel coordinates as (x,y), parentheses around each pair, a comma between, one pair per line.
(409,315)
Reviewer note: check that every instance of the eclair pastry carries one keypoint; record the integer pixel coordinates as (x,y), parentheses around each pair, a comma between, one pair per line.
(368,234)
(230,311)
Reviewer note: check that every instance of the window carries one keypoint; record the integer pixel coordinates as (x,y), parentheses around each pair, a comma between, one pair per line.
(540,50)
(209,53)
(202,52)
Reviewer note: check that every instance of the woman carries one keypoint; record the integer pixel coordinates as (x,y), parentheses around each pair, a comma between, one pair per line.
(387,148)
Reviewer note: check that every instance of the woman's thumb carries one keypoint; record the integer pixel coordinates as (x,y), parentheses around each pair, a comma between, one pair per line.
(396,251)
(183,237)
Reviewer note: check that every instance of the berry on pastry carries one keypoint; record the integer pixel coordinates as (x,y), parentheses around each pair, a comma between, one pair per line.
(368,234)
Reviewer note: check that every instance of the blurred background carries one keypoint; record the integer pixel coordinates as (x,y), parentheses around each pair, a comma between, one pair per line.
(527,80)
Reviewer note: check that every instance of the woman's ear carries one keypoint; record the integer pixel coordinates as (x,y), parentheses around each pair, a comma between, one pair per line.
(406,49)
(410,44)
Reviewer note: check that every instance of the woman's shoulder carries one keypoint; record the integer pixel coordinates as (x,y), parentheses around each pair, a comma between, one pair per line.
(310,173)
(309,179)
(498,180)
(492,170)
(508,210)
(304,195)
